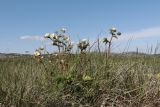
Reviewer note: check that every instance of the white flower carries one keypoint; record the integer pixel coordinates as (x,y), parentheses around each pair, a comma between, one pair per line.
(63,30)
(62,61)
(113,29)
(84,40)
(83,44)
(53,36)
(47,35)
(101,39)
(56,54)
(37,53)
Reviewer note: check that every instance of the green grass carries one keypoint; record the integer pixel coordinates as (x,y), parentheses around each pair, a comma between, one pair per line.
(125,81)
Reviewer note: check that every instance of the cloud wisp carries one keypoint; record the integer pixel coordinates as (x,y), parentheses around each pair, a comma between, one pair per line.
(145,33)
(36,38)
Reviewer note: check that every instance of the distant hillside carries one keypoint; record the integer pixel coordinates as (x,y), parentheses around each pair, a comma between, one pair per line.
(134,53)
(11,55)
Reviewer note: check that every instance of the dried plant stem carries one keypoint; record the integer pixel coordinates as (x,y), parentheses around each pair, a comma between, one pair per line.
(99,46)
(109,47)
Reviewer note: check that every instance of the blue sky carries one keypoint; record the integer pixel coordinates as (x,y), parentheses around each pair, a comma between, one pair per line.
(137,19)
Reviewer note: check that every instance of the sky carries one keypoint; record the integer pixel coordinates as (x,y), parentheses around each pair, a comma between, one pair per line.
(24,22)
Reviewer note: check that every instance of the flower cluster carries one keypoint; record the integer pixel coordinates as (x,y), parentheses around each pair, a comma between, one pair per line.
(83,44)
(60,39)
(114,33)
(38,53)
(105,40)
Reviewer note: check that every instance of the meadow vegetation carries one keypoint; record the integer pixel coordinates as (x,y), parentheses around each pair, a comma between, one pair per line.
(86,79)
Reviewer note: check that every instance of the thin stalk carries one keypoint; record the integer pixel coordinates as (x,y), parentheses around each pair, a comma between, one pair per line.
(109,47)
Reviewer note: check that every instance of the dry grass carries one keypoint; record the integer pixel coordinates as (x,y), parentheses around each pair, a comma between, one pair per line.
(125,81)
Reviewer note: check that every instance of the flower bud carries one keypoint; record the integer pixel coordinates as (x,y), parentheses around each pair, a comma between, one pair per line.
(119,33)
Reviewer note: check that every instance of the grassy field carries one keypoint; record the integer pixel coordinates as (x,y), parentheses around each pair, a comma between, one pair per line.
(86,80)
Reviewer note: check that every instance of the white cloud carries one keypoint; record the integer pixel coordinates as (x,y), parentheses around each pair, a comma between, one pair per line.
(144,33)
(37,38)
